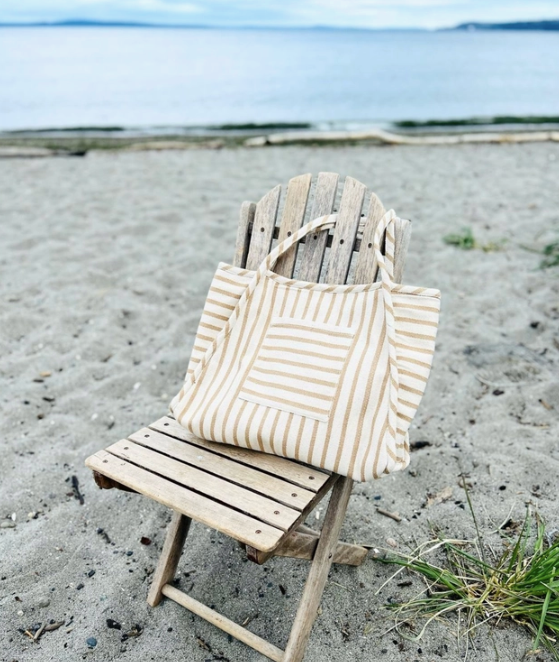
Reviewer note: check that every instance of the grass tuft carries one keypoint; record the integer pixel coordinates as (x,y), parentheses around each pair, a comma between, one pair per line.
(467,242)
(519,585)
(551,256)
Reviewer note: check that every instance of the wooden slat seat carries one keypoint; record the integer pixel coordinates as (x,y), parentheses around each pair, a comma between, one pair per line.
(257,499)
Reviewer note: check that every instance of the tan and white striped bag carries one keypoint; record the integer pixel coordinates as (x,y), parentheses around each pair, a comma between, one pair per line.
(330,375)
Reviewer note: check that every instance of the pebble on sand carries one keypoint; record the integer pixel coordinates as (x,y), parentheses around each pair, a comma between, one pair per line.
(91,642)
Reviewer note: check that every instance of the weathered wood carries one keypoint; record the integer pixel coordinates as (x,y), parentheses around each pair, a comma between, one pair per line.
(345,231)
(302,545)
(246,221)
(107,484)
(366,267)
(294,209)
(224,623)
(260,482)
(220,490)
(261,556)
(385,137)
(170,555)
(402,236)
(356,243)
(318,574)
(263,228)
(234,524)
(315,246)
(308,477)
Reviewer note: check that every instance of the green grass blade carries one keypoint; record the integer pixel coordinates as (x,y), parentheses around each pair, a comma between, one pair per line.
(542,619)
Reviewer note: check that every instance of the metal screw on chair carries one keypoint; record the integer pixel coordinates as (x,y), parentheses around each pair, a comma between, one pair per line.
(276,512)
(293,495)
(146,435)
(258,531)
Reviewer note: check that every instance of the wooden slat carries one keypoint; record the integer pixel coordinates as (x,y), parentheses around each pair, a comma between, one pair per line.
(312,593)
(255,505)
(263,228)
(315,245)
(402,236)
(292,218)
(261,557)
(270,486)
(170,556)
(345,231)
(307,477)
(366,267)
(225,624)
(246,221)
(302,545)
(237,525)
(356,243)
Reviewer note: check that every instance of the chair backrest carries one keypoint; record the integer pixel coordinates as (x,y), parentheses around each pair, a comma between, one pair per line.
(350,243)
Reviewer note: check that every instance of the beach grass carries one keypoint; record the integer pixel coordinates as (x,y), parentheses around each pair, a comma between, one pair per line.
(466,241)
(551,255)
(520,584)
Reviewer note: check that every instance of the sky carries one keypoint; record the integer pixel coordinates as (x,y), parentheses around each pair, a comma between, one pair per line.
(284,13)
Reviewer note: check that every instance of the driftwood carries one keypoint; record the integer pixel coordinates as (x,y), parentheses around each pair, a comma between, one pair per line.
(387,138)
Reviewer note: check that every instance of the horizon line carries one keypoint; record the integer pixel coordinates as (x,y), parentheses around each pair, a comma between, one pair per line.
(200,26)
(536,24)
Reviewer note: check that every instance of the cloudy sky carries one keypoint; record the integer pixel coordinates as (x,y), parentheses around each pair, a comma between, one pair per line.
(353,13)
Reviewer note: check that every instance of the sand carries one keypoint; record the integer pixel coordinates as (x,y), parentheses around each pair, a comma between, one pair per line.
(104,266)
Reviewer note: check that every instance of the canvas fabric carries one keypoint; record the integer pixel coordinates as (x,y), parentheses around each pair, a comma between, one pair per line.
(330,375)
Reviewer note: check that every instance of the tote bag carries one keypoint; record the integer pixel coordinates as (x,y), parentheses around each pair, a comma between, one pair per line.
(330,375)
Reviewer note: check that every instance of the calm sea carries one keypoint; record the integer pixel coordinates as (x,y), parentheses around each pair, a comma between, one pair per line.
(69,77)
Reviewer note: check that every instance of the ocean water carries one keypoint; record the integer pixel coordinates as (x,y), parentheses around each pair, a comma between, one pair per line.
(138,77)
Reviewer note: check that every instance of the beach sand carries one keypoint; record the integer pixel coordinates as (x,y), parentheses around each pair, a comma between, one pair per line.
(104,266)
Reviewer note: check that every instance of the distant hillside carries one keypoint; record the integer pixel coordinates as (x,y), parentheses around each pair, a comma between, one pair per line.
(523,25)
(84,23)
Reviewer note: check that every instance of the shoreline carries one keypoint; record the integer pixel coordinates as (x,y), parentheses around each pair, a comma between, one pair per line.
(78,141)
(427,126)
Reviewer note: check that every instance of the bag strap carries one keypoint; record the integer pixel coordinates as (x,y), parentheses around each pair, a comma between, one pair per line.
(321,223)
(385,263)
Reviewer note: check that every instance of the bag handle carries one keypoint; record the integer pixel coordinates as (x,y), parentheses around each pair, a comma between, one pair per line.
(321,223)
(385,262)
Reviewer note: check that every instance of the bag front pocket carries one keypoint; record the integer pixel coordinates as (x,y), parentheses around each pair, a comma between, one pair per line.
(298,367)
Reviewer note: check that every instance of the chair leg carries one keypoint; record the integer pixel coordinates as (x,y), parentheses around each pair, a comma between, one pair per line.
(169,559)
(318,575)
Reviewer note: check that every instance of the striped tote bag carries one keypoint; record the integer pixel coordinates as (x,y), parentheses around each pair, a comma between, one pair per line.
(330,375)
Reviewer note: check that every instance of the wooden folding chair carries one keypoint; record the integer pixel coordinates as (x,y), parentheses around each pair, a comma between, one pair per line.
(260,500)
